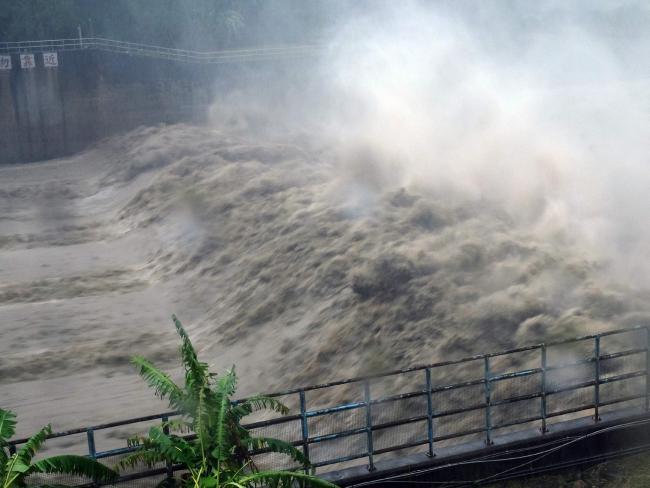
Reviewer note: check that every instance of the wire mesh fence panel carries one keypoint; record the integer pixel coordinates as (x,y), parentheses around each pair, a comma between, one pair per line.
(342,447)
(457,373)
(117,437)
(334,395)
(636,405)
(579,400)
(574,351)
(396,384)
(628,340)
(288,431)
(401,453)
(69,444)
(516,386)
(274,461)
(515,361)
(404,413)
(399,410)
(56,479)
(336,422)
(622,365)
(460,423)
(129,471)
(72,444)
(146,482)
(504,416)
(569,376)
(292,402)
(617,390)
(400,435)
(458,398)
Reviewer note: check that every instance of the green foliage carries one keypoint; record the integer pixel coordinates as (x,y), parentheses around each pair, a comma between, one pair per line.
(15,468)
(168,22)
(219,452)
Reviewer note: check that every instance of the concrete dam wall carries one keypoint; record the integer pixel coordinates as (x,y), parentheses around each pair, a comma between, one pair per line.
(48,112)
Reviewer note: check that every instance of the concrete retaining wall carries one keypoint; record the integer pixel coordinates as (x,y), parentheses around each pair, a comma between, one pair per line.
(51,112)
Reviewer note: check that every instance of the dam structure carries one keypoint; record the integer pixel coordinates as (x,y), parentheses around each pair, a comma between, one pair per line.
(59,96)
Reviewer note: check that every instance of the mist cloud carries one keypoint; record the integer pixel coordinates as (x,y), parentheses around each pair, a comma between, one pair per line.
(539,109)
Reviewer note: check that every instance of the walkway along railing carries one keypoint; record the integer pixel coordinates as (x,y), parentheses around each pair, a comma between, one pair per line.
(445,403)
(147,50)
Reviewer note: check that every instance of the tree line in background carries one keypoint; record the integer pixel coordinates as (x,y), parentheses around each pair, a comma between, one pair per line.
(222,24)
(190,24)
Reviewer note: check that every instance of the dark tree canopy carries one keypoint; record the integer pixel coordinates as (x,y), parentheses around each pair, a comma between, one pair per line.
(191,24)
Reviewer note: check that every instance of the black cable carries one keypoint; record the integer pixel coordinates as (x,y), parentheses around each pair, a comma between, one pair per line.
(537,456)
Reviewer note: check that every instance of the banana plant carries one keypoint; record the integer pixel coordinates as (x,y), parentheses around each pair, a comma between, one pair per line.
(218,454)
(17,467)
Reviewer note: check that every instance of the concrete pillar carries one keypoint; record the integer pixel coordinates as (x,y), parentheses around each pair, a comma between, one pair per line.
(10,148)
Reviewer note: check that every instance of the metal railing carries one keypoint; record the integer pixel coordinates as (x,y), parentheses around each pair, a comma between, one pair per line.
(450,402)
(147,50)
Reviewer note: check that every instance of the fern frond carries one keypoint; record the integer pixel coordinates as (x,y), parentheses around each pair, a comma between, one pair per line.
(276,445)
(257,403)
(148,457)
(201,423)
(31,447)
(75,465)
(7,426)
(227,384)
(160,381)
(223,444)
(4,457)
(178,425)
(282,479)
(196,372)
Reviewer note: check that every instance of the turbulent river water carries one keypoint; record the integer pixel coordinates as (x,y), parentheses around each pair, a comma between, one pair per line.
(275,258)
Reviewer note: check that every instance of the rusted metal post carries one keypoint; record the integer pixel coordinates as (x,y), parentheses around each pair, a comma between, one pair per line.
(647,369)
(169,466)
(429,412)
(90,435)
(488,394)
(596,378)
(543,397)
(304,425)
(367,400)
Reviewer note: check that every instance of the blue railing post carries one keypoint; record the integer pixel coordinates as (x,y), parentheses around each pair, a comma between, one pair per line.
(90,435)
(647,369)
(429,412)
(367,400)
(169,466)
(304,425)
(596,378)
(543,397)
(488,418)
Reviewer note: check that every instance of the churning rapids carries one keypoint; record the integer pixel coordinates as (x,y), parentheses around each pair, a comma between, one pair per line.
(272,266)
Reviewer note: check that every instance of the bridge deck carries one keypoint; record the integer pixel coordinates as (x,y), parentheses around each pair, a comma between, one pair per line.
(364,428)
(516,454)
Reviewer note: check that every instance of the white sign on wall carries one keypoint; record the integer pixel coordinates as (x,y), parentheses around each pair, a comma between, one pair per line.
(5,62)
(27,61)
(50,60)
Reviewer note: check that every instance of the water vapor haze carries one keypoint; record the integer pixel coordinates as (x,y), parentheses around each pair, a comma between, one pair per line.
(445,178)
(546,118)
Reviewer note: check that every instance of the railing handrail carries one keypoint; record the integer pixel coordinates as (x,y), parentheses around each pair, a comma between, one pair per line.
(150,50)
(430,366)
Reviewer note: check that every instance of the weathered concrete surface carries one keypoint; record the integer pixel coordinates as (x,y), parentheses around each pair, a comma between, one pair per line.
(51,112)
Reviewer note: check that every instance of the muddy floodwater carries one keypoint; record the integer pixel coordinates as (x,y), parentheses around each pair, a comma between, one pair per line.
(277,259)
